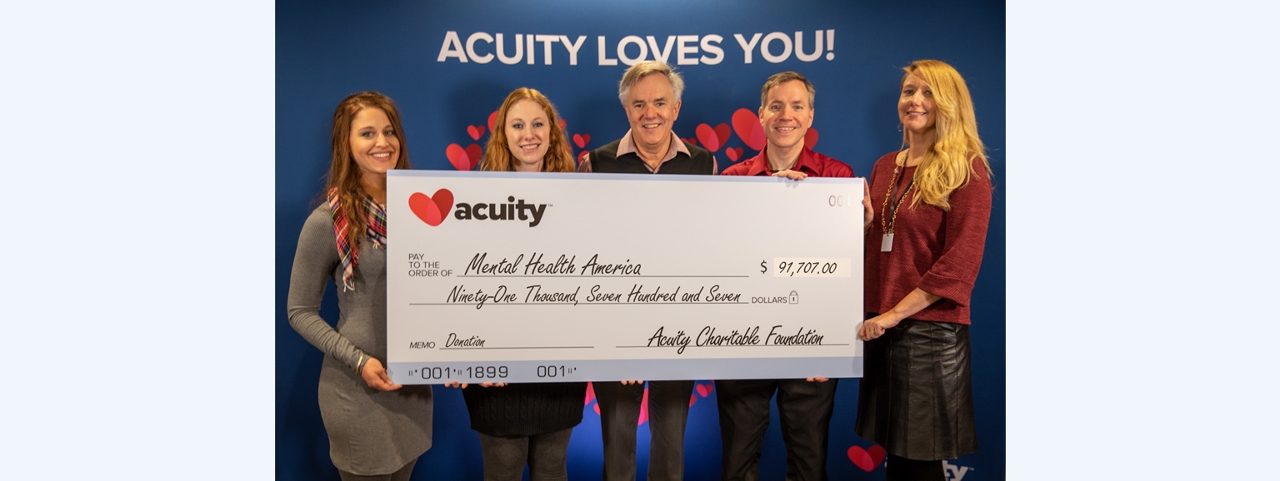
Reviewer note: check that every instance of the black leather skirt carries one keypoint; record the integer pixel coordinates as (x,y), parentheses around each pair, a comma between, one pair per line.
(916,396)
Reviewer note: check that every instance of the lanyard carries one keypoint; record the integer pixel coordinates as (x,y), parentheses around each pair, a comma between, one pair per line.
(886,243)
(890,195)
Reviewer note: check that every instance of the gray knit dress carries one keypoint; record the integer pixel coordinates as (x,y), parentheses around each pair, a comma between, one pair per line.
(370,432)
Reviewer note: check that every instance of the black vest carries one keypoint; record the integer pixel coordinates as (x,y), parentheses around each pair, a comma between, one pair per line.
(605,160)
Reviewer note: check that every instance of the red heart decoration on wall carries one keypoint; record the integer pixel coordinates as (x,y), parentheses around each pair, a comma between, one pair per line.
(866,459)
(474,152)
(591,393)
(723,131)
(581,140)
(561,123)
(693,398)
(582,154)
(458,157)
(644,407)
(708,137)
(811,138)
(433,209)
(734,154)
(703,389)
(691,140)
(493,117)
(876,452)
(747,126)
(475,131)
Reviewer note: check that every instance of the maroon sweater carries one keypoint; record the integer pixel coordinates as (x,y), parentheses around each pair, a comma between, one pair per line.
(937,251)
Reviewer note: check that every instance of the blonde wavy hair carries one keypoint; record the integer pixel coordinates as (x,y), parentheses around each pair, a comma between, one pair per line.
(947,165)
(497,154)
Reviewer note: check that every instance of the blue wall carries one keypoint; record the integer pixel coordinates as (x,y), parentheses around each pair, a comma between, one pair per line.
(326,51)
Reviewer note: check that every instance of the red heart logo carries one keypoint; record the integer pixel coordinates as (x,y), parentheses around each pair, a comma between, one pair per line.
(458,157)
(708,137)
(475,131)
(583,154)
(493,117)
(811,138)
(561,123)
(866,459)
(691,140)
(747,126)
(581,140)
(591,394)
(693,398)
(433,209)
(474,152)
(703,389)
(734,154)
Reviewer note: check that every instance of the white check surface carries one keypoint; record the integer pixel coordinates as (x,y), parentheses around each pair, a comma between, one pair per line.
(595,277)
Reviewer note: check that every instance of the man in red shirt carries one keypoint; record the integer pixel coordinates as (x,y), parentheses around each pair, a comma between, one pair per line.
(804,405)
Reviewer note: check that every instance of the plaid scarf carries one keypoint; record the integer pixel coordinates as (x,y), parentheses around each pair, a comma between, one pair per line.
(376,232)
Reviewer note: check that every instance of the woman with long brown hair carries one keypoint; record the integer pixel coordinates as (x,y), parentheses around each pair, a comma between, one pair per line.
(933,202)
(526,423)
(376,429)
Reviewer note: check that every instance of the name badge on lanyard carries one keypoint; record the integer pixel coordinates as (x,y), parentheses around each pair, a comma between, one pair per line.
(886,243)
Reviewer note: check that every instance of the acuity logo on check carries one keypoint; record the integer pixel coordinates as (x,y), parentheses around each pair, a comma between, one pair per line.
(434,209)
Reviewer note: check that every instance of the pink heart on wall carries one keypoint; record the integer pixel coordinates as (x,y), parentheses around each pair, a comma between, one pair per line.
(747,126)
(493,117)
(474,152)
(866,459)
(811,138)
(693,398)
(708,137)
(458,157)
(475,131)
(691,140)
(723,131)
(644,407)
(591,393)
(581,140)
(704,390)
(734,154)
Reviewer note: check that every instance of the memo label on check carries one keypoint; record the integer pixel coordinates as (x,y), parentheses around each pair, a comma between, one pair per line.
(811,267)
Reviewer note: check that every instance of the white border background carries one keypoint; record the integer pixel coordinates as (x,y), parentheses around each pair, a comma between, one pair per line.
(137,280)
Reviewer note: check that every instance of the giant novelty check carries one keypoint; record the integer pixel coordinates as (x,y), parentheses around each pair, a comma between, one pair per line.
(505,277)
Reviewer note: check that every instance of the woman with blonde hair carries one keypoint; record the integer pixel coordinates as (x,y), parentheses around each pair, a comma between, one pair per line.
(526,423)
(933,202)
(376,429)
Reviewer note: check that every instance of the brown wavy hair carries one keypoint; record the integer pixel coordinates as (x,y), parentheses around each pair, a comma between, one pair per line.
(948,163)
(344,173)
(497,153)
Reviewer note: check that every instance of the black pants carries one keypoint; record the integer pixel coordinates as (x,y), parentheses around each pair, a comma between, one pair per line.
(804,409)
(903,469)
(620,415)
(506,456)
